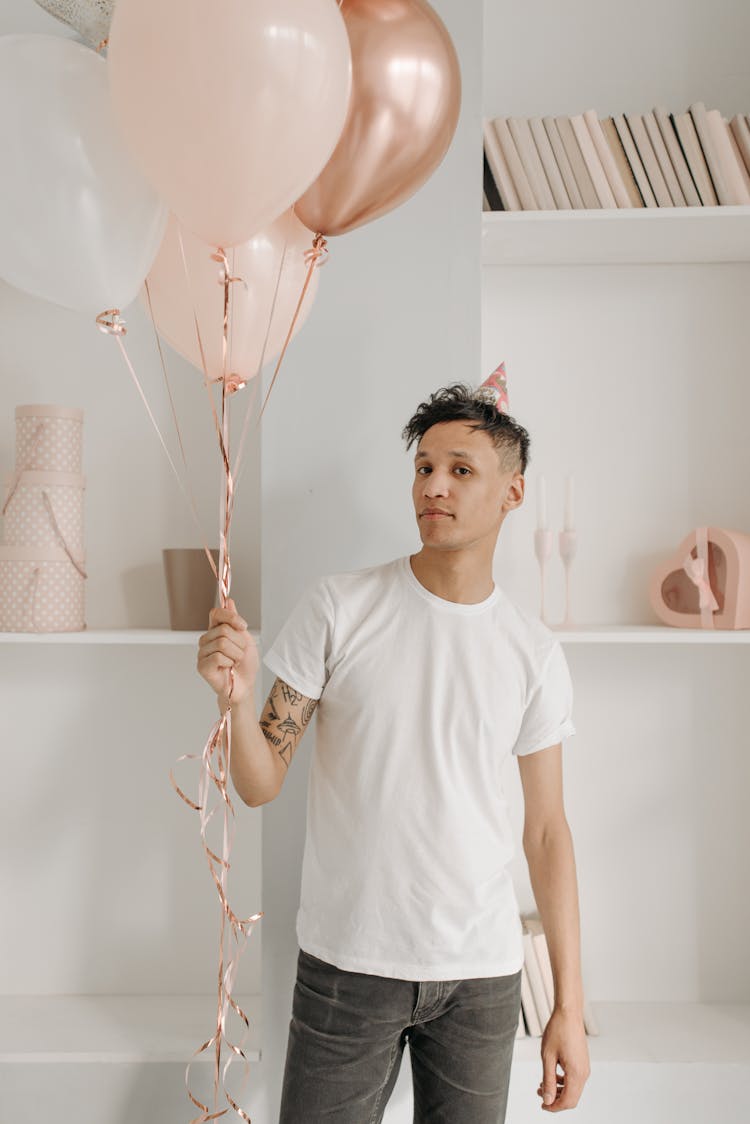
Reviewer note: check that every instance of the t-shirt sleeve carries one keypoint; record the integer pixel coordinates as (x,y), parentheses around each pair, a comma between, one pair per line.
(547,717)
(300,652)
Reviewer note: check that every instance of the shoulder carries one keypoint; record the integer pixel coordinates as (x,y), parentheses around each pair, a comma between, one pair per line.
(533,638)
(363,583)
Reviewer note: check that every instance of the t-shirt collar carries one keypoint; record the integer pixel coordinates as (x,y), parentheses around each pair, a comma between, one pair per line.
(441,602)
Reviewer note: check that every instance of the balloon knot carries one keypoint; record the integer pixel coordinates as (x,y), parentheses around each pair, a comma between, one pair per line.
(111,322)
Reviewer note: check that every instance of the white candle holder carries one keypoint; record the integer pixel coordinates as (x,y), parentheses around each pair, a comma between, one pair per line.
(543,550)
(568,541)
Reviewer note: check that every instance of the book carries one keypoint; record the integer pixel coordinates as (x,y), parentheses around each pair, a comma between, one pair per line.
(700,119)
(536,983)
(549,163)
(684,127)
(521,132)
(621,159)
(663,159)
(563,163)
(528,1007)
(604,152)
(491,195)
(499,172)
(648,156)
(720,138)
(592,161)
(741,132)
(679,163)
(738,155)
(577,163)
(513,162)
(634,160)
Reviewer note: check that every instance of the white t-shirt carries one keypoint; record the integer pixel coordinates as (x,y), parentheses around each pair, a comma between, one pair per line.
(408,838)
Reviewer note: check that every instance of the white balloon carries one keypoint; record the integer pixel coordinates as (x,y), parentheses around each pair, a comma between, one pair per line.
(79,225)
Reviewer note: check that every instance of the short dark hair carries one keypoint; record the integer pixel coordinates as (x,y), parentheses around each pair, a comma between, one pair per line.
(457,403)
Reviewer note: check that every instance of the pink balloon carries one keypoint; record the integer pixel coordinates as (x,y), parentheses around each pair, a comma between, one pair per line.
(230,108)
(259,263)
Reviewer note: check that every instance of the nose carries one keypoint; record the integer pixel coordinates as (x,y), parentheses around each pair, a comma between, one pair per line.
(435,484)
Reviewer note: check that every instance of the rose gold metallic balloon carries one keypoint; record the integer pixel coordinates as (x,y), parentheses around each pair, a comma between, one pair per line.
(403,111)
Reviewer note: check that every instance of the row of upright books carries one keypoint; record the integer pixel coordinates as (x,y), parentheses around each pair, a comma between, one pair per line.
(537,985)
(658,159)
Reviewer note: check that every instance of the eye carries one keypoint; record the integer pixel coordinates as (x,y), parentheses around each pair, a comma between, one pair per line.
(462,468)
(420,469)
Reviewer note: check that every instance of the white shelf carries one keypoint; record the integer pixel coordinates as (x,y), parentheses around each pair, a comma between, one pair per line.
(108,636)
(703,1033)
(655,235)
(117,1028)
(648,634)
(582,634)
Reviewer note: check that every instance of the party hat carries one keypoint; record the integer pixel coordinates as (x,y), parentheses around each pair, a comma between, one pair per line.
(495,390)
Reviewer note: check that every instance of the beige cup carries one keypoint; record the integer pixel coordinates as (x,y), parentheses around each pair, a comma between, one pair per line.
(191,587)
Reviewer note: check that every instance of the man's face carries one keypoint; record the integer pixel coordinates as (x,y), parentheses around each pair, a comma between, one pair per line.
(457,472)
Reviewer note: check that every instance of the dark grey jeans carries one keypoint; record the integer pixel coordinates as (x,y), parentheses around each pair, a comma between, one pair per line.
(347,1037)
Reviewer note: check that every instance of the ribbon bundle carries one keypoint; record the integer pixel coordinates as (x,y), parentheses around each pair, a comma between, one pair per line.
(216,756)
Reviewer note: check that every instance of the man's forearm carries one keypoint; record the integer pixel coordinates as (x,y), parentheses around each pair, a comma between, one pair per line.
(552,871)
(253,763)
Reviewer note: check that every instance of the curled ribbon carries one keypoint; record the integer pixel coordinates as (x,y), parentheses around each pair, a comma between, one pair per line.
(216,756)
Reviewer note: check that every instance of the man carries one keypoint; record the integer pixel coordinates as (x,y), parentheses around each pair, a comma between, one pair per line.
(425,675)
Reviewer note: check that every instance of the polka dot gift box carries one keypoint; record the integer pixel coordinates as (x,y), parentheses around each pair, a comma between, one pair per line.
(42,557)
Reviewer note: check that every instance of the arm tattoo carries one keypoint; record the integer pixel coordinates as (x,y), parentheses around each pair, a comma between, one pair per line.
(284,734)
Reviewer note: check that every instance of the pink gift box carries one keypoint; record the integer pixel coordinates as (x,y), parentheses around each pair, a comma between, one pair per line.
(33,520)
(49,438)
(41,590)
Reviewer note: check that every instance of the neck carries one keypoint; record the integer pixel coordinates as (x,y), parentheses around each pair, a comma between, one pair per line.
(463,576)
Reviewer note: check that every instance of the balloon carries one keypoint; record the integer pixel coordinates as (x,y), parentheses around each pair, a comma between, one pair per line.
(78,223)
(403,111)
(257,262)
(90,18)
(230,108)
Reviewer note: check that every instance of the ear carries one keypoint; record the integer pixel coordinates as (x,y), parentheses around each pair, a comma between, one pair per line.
(514,491)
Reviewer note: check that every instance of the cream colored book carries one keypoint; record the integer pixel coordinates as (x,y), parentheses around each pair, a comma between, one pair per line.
(738,155)
(593,163)
(691,147)
(663,159)
(485,202)
(634,159)
(563,163)
(679,163)
(528,1006)
(521,133)
(541,1002)
(700,120)
(549,163)
(534,926)
(738,192)
(741,132)
(577,163)
(604,152)
(501,173)
(650,163)
(615,145)
(513,161)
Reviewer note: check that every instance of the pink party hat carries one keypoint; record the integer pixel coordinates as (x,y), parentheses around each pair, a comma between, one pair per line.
(495,390)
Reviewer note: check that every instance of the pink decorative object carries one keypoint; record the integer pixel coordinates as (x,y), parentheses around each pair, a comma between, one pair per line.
(49,438)
(706,583)
(42,560)
(32,520)
(494,390)
(41,590)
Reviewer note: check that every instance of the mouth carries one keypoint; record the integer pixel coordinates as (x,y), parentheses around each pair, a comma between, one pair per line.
(436,515)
